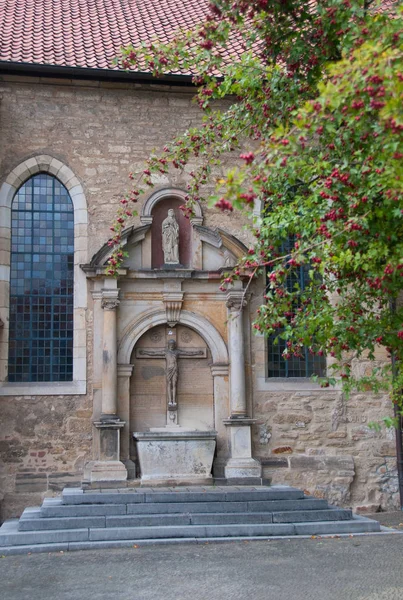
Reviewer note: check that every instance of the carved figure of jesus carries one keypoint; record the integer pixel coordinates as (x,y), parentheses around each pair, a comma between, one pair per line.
(170,239)
(171,356)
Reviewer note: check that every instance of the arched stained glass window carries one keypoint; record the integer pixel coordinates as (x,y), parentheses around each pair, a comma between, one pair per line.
(41,282)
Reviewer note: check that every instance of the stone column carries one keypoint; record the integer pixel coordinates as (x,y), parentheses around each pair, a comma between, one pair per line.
(110,303)
(241,465)
(235,304)
(220,374)
(124,375)
(107,466)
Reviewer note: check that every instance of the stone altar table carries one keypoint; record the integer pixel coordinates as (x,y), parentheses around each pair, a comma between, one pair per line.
(173,454)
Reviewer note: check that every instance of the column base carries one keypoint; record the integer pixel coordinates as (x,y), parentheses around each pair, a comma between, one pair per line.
(243,468)
(241,464)
(110,419)
(105,470)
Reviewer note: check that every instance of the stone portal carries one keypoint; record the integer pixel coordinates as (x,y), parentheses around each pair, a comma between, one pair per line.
(177,361)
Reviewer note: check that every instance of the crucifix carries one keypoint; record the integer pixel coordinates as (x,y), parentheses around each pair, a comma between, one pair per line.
(171,354)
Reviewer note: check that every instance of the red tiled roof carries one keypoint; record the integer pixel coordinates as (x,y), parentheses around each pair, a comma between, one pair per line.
(88,33)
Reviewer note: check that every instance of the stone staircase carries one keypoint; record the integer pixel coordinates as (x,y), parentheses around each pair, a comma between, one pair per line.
(88,519)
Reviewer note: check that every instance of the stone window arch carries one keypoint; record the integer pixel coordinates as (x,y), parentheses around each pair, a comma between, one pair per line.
(46,165)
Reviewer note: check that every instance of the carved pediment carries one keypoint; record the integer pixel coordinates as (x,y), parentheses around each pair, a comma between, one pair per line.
(218,249)
(130,237)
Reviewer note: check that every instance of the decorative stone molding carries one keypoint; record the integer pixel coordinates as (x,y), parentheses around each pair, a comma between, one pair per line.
(218,238)
(219,370)
(129,237)
(146,216)
(173,305)
(45,163)
(125,370)
(153,318)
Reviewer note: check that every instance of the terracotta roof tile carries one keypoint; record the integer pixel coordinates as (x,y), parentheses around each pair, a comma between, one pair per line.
(88,33)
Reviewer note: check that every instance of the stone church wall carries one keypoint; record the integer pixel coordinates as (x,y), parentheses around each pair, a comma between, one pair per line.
(101,132)
(304,436)
(317,440)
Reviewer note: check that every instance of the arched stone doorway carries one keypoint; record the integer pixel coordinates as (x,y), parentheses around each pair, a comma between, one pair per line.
(203,385)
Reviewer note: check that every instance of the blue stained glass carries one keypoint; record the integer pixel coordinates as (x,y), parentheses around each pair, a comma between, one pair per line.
(308,364)
(41,284)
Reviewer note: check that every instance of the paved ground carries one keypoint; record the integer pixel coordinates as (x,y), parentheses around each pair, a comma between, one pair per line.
(392,520)
(353,568)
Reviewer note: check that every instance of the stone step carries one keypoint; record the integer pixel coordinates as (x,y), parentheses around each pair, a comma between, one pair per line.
(27,523)
(116,518)
(309,516)
(11,536)
(54,507)
(46,524)
(160,520)
(337,530)
(58,509)
(190,531)
(178,494)
(233,530)
(233,518)
(357,525)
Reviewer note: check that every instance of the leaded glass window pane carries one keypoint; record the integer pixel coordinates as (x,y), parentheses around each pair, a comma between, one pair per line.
(308,364)
(41,283)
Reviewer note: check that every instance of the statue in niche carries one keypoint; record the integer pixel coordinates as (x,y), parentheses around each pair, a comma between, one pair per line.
(170,239)
(171,354)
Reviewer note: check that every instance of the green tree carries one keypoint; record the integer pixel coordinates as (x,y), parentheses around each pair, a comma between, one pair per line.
(314,107)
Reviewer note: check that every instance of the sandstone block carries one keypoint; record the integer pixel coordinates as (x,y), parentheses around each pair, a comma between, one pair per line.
(31,482)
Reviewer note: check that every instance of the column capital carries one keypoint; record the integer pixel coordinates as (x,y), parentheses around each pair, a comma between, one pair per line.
(110,303)
(236,300)
(125,370)
(110,299)
(219,370)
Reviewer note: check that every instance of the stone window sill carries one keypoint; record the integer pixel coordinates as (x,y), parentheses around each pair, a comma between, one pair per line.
(65,388)
(291,384)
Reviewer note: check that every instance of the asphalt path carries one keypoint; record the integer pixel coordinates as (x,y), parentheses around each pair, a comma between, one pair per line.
(358,568)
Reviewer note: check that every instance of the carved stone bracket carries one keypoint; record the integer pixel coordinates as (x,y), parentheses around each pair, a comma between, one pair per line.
(173,305)
(236,300)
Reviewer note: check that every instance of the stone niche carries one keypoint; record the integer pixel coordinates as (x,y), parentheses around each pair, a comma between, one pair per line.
(195,395)
(159,213)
